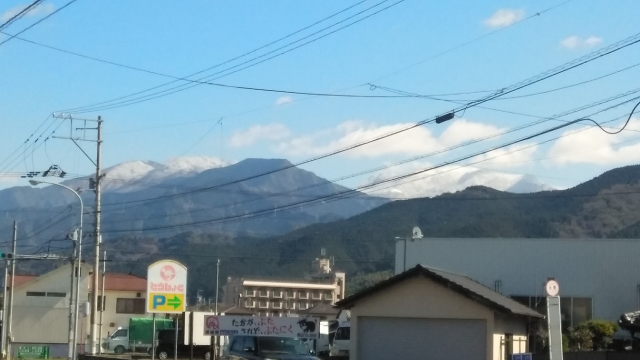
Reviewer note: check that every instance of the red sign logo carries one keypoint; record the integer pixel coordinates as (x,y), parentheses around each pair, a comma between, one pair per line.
(167,273)
(212,323)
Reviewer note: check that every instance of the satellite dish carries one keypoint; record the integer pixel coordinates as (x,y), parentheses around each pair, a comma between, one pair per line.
(417,234)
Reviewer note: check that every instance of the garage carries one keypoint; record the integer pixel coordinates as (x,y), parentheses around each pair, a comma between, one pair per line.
(426,313)
(434,339)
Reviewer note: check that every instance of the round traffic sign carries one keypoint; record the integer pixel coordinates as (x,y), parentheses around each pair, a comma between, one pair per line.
(552,288)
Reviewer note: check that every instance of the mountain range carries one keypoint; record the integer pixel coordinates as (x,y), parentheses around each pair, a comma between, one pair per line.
(148,198)
(604,207)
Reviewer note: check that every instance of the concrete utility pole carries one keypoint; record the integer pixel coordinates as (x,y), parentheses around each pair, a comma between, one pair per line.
(13,281)
(71,295)
(96,250)
(96,184)
(4,308)
(102,300)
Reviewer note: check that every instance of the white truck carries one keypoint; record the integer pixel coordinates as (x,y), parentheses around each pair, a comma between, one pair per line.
(341,341)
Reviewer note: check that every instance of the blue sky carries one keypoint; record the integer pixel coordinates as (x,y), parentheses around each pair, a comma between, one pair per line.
(180,38)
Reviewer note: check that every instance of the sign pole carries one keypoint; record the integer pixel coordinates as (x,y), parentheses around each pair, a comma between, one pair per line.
(190,335)
(175,345)
(554,319)
(153,338)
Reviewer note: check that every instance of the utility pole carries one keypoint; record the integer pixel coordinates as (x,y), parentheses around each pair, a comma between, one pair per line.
(13,281)
(96,251)
(95,183)
(217,354)
(102,300)
(4,308)
(71,295)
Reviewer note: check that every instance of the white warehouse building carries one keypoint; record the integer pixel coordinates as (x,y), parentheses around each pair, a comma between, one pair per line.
(599,278)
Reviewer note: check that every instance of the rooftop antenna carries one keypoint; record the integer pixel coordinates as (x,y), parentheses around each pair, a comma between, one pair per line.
(417,233)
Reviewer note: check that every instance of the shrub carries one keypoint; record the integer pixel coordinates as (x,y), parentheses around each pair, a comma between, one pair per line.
(601,332)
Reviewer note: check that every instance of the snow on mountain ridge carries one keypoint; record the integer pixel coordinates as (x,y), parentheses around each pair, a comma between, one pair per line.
(132,175)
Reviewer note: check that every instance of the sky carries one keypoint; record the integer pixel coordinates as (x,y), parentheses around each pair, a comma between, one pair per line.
(412,46)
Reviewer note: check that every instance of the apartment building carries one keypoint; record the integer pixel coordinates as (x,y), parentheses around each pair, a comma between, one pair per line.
(281,297)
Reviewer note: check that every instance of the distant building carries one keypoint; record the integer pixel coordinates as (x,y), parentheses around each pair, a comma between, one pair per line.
(282,297)
(597,277)
(41,307)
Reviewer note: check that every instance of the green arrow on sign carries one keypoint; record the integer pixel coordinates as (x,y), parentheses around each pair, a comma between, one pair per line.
(175,302)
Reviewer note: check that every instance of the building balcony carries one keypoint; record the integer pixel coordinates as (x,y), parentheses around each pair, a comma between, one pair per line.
(249,293)
(263,304)
(276,305)
(316,296)
(303,306)
(276,294)
(328,297)
(249,304)
(263,293)
(303,295)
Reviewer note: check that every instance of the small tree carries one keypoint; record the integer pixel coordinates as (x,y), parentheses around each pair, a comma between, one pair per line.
(601,332)
(580,338)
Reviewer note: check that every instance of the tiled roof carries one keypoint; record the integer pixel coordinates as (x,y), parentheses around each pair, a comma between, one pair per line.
(122,282)
(20,280)
(321,309)
(459,283)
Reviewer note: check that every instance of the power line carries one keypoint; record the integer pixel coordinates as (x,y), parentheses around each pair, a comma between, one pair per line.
(289,192)
(20,14)
(36,23)
(530,81)
(97,106)
(393,179)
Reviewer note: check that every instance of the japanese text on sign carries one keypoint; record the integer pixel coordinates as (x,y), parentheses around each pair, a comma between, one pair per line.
(302,327)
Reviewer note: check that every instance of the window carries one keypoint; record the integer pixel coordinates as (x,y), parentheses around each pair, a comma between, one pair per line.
(119,333)
(102,302)
(36,293)
(249,344)
(343,333)
(573,310)
(238,344)
(56,294)
(130,306)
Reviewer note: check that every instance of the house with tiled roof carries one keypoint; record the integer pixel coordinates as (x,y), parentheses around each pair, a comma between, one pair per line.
(41,306)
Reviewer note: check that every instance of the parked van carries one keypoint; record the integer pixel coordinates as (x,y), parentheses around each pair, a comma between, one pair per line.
(341,341)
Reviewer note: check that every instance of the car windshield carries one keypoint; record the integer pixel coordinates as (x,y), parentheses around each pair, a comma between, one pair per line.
(279,345)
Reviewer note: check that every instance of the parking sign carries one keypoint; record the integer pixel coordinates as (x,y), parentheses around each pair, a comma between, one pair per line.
(166,287)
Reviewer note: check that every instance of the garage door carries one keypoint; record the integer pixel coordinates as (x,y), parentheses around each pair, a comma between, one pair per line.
(431,339)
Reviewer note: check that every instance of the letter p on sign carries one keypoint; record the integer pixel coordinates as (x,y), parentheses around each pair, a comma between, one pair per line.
(158,300)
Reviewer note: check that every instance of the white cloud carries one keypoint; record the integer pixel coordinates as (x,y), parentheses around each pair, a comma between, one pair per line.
(593,146)
(259,132)
(503,18)
(284,100)
(418,140)
(576,42)
(510,156)
(40,10)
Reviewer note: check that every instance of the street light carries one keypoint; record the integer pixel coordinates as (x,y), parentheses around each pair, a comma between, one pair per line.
(73,312)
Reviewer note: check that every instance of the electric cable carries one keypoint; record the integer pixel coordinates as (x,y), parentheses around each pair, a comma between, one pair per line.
(527,82)
(102,105)
(37,22)
(20,14)
(393,179)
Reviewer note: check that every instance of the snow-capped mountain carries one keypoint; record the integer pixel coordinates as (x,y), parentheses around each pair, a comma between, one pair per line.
(136,175)
(456,179)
